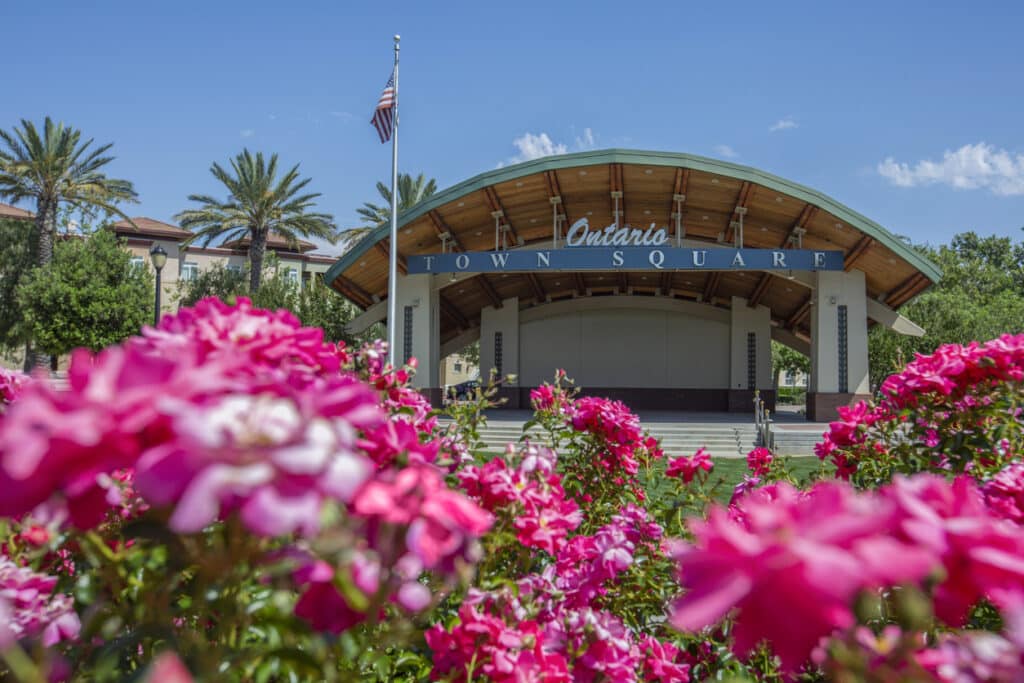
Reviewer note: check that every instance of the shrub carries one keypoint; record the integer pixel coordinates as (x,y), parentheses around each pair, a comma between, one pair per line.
(229,496)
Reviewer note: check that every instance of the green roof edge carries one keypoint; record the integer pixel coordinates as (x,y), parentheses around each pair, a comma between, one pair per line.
(628,156)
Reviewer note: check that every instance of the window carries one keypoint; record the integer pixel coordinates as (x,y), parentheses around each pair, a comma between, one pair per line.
(137,262)
(189,271)
(458,366)
(292,276)
(234,268)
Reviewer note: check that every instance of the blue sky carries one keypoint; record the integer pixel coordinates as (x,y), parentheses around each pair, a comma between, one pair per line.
(909,112)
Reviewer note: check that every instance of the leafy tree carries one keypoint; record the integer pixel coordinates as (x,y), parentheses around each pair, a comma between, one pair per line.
(315,305)
(88,295)
(16,260)
(472,353)
(52,168)
(411,191)
(980,296)
(785,359)
(218,281)
(258,203)
(318,306)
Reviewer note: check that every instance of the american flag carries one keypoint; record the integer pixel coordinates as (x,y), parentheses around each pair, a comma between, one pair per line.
(383,115)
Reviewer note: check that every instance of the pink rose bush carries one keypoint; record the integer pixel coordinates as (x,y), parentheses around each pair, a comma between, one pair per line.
(228,495)
(1004,493)
(687,467)
(956,410)
(810,554)
(29,607)
(11,384)
(242,427)
(562,617)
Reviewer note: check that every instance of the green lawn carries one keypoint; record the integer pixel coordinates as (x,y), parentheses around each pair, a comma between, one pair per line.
(728,472)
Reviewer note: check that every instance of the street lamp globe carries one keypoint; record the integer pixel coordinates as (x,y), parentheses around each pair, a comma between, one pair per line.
(158,257)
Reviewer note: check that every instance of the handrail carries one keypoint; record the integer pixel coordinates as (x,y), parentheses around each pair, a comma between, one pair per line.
(763,423)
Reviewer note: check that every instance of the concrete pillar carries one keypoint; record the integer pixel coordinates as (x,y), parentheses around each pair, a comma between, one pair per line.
(419,326)
(750,336)
(499,333)
(839,343)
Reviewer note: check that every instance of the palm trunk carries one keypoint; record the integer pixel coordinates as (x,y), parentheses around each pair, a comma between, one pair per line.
(257,250)
(46,228)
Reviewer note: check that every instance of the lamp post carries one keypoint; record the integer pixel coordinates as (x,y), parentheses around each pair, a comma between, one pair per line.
(158,257)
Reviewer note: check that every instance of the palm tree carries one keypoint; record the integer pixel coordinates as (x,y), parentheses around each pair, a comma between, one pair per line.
(257,204)
(410,193)
(52,168)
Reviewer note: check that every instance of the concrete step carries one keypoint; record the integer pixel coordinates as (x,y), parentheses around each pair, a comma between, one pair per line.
(721,439)
(794,442)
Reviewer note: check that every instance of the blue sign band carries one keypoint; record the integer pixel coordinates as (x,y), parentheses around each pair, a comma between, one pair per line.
(625,258)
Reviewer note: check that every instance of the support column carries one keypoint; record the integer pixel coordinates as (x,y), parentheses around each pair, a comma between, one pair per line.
(839,344)
(419,325)
(750,363)
(499,347)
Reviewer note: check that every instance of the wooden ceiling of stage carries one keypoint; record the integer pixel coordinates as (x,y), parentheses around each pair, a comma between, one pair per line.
(714,191)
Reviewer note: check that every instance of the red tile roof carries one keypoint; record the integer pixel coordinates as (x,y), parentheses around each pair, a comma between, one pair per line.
(274,241)
(149,227)
(8,211)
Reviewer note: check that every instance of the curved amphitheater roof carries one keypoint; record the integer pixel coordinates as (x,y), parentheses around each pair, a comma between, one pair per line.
(650,183)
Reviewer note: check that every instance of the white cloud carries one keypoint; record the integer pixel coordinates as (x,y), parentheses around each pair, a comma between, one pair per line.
(970,167)
(247,133)
(586,141)
(785,123)
(726,152)
(532,146)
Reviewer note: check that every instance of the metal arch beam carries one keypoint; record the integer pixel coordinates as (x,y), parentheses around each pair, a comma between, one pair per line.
(793,341)
(886,316)
(679,185)
(349,288)
(858,250)
(377,313)
(581,285)
(904,291)
(802,220)
(666,282)
(460,341)
(615,186)
(440,227)
(538,291)
(384,246)
(741,203)
(449,309)
(555,190)
(711,286)
(494,201)
(488,290)
(799,314)
(759,290)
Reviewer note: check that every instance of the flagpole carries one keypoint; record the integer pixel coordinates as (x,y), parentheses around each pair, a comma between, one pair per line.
(393,251)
